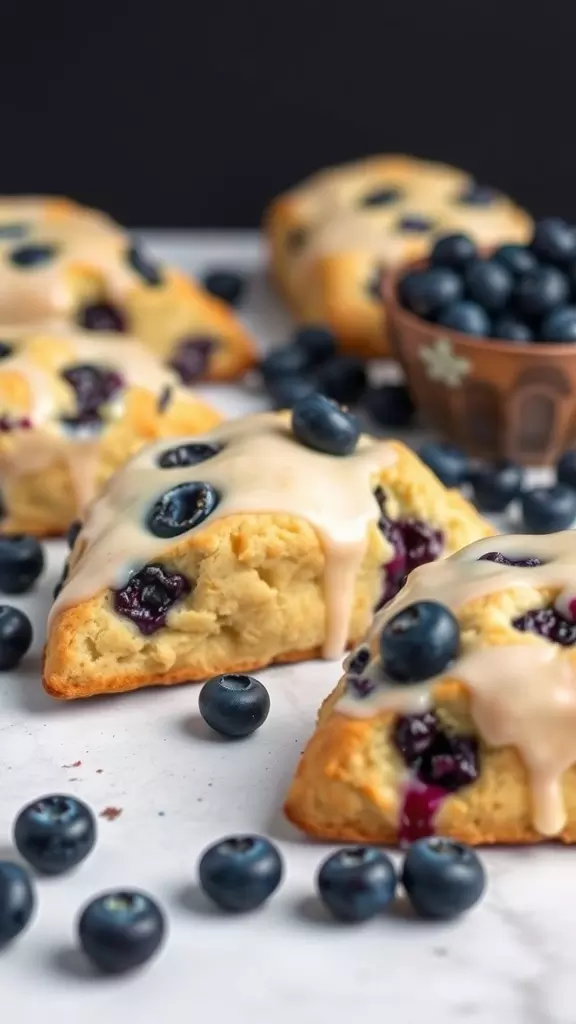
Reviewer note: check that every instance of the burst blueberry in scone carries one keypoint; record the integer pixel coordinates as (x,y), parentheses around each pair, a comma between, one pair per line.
(332,236)
(240,548)
(61,261)
(457,714)
(75,405)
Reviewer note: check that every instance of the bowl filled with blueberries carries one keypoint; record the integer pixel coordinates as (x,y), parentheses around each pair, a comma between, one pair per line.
(488,342)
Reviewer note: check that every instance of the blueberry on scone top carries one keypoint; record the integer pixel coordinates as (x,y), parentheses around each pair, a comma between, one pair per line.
(419,642)
(190,357)
(321,424)
(30,256)
(189,454)
(181,508)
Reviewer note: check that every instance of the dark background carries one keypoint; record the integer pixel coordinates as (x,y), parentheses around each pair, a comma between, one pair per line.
(196,115)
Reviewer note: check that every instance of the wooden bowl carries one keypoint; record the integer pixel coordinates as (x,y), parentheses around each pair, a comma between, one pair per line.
(495,399)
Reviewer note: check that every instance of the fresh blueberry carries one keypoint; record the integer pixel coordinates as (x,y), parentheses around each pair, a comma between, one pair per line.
(426,292)
(554,241)
(73,531)
(449,463)
(15,636)
(226,285)
(317,341)
(509,328)
(187,455)
(149,595)
(17,901)
(290,360)
(455,251)
(474,194)
(419,642)
(540,291)
(383,196)
(489,284)
(55,833)
(191,356)
(496,485)
(343,378)
(241,872)
(465,316)
(101,316)
(517,259)
(548,509)
(567,468)
(144,266)
(560,325)
(30,256)
(389,405)
(442,878)
(285,391)
(415,223)
(320,423)
(358,883)
(121,930)
(234,705)
(181,508)
(21,562)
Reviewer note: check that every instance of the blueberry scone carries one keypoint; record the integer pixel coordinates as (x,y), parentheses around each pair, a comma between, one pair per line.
(334,235)
(457,713)
(73,407)
(61,261)
(240,548)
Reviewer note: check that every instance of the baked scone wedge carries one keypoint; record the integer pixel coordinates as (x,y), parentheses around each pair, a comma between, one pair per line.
(62,261)
(241,548)
(481,749)
(74,406)
(333,235)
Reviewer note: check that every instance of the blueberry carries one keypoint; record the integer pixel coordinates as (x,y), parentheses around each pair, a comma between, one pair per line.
(389,405)
(191,356)
(181,508)
(234,705)
(144,266)
(547,623)
(317,341)
(241,872)
(62,580)
(73,531)
(383,196)
(290,360)
(21,562)
(467,317)
(6,349)
(419,642)
(187,455)
(94,386)
(426,292)
(55,833)
(287,390)
(415,223)
(560,325)
(356,884)
(449,463)
(500,559)
(343,378)
(149,595)
(101,316)
(554,241)
(226,285)
(540,291)
(509,328)
(489,284)
(30,256)
(517,259)
(567,468)
(548,509)
(15,636)
(121,930)
(455,251)
(319,423)
(442,878)
(17,901)
(474,194)
(496,485)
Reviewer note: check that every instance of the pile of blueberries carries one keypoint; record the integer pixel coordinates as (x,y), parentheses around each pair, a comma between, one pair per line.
(519,294)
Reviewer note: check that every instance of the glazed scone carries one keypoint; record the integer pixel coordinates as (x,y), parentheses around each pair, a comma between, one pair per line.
(73,407)
(238,549)
(483,752)
(61,261)
(332,237)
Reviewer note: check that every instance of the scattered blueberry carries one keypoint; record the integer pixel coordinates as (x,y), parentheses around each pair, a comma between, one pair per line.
(119,931)
(72,534)
(517,259)
(343,379)
(566,469)
(226,285)
(442,878)
(495,485)
(101,316)
(318,342)
(241,872)
(389,405)
(320,423)
(548,509)
(234,705)
(285,391)
(191,356)
(509,328)
(548,623)
(289,360)
(55,833)
(540,291)
(144,266)
(415,223)
(489,284)
(189,454)
(554,241)
(465,316)
(149,595)
(455,251)
(17,901)
(559,325)
(383,196)
(181,508)
(15,636)
(29,256)
(426,292)
(356,884)
(21,562)
(474,194)
(419,642)
(449,463)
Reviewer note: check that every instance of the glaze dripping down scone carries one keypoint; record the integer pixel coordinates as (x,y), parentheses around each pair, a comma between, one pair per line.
(333,236)
(74,406)
(60,261)
(238,549)
(484,752)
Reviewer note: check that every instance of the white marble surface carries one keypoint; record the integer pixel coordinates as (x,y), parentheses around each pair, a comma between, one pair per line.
(511,961)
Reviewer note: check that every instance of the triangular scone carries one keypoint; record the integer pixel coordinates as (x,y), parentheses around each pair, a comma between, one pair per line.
(62,261)
(484,752)
(333,235)
(261,550)
(75,405)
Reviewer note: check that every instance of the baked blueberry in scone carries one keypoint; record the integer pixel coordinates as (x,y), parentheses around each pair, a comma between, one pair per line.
(457,713)
(265,540)
(74,406)
(333,236)
(61,261)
